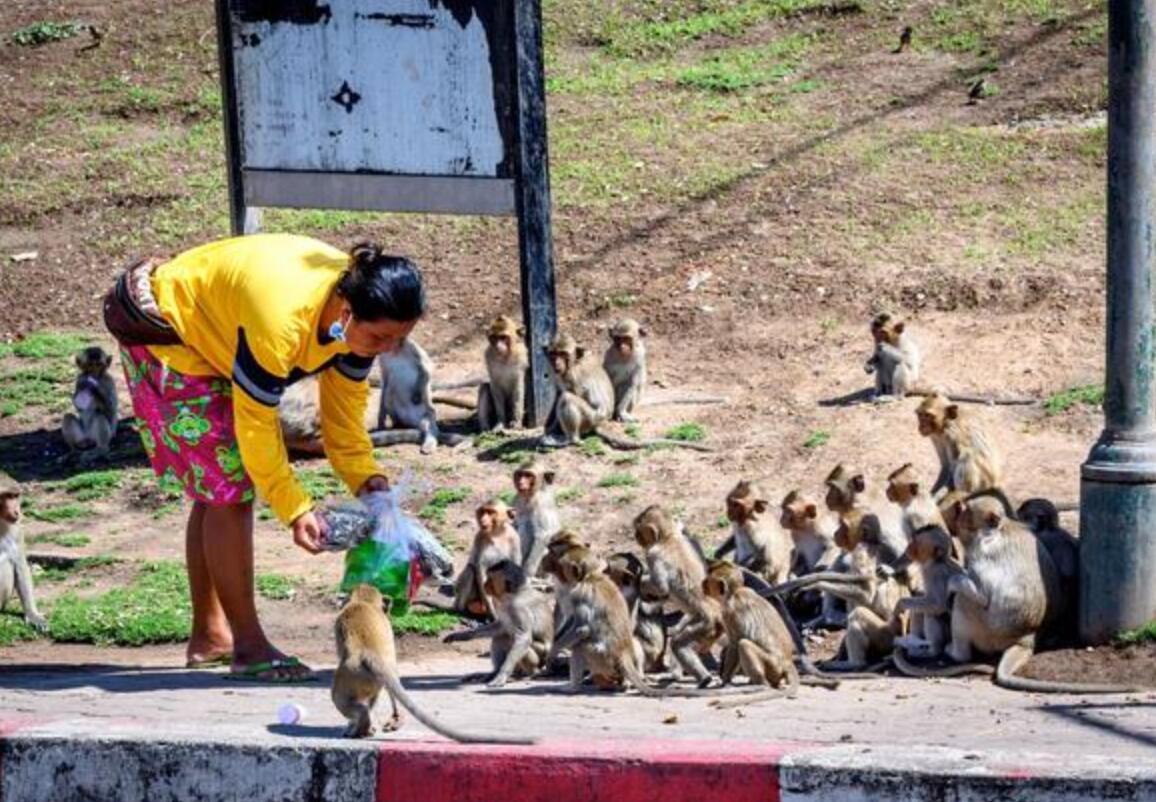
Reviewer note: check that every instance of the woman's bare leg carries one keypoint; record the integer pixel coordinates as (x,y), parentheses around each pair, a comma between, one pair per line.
(211,636)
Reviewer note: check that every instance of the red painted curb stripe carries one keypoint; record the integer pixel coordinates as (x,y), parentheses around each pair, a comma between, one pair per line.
(557,771)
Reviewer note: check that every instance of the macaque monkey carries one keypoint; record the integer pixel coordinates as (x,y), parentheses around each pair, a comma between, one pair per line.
(585,401)
(871,622)
(896,359)
(536,513)
(760,544)
(406,402)
(93,426)
(522,633)
(1007,593)
(931,549)
(919,509)
(1043,519)
(758,639)
(625,364)
(627,572)
(847,492)
(367,664)
(496,540)
(813,535)
(676,572)
(15,575)
(501,400)
(968,458)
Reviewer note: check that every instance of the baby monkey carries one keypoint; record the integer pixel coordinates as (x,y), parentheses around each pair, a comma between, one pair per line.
(496,540)
(91,429)
(15,575)
(931,548)
(367,664)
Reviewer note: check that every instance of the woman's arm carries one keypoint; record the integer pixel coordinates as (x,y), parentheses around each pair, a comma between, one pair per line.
(344,390)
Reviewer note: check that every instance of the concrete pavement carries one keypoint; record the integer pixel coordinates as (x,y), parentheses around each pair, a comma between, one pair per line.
(125,733)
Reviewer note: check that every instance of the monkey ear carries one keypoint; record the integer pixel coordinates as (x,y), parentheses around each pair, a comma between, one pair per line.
(992,519)
(107,361)
(899,328)
(511,513)
(859,483)
(952,411)
(641,331)
(760,505)
(811,511)
(579,352)
(80,360)
(520,331)
(913,488)
(548,477)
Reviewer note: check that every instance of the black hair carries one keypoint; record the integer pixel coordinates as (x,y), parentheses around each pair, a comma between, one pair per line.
(379,286)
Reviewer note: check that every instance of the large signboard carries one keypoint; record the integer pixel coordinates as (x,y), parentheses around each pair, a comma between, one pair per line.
(395,105)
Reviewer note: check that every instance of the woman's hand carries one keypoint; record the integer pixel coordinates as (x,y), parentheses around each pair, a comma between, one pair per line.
(374,484)
(307,532)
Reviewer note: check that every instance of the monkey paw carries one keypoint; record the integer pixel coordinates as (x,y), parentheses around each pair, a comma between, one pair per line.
(497,682)
(36,621)
(552,441)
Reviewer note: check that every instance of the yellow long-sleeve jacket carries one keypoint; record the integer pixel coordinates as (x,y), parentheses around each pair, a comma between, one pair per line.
(249,308)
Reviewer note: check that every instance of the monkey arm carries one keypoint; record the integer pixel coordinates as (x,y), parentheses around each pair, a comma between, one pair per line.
(347,444)
(24,591)
(965,586)
(726,548)
(570,635)
(485,631)
(928,605)
(852,594)
(533,560)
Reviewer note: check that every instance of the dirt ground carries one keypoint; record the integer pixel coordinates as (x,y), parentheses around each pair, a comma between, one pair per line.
(882,189)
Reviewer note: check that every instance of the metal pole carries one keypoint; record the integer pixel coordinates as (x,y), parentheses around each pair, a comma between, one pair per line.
(532,194)
(243,219)
(1118,487)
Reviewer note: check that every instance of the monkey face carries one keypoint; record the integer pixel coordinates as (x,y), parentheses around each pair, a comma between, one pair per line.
(645,534)
(525,482)
(10,506)
(491,517)
(934,413)
(501,344)
(560,362)
(93,361)
(797,513)
(624,346)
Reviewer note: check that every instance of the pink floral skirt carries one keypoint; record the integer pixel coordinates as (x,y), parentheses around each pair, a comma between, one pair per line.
(186,427)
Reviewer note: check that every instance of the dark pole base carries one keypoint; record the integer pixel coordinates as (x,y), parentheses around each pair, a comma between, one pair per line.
(1117,539)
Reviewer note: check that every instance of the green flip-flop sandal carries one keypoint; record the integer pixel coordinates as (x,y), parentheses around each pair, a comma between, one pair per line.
(253,673)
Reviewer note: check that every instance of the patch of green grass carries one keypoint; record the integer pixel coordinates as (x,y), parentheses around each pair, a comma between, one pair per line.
(13,628)
(153,608)
(592,446)
(35,386)
(42,573)
(622,300)
(516,457)
(687,433)
(93,484)
(1091,394)
(633,458)
(435,508)
(69,540)
(424,622)
(667,35)
(744,68)
(632,430)
(817,438)
(39,33)
(722,522)
(569,494)
(321,482)
(488,440)
(618,480)
(972,148)
(508,497)
(1038,232)
(1145,634)
(277,586)
(46,345)
(63,512)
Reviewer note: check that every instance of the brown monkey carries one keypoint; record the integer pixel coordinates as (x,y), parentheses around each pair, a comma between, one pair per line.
(758,639)
(813,535)
(871,600)
(625,364)
(759,542)
(93,426)
(968,458)
(496,540)
(15,575)
(536,513)
(627,572)
(676,572)
(501,400)
(1043,519)
(847,492)
(406,400)
(585,401)
(896,359)
(522,633)
(367,663)
(1006,595)
(919,509)
(931,549)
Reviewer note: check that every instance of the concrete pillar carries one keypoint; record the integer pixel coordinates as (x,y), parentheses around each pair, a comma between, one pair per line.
(1118,481)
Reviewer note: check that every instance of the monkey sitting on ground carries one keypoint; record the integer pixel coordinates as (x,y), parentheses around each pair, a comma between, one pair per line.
(406,374)
(1043,519)
(501,399)
(94,396)
(367,663)
(625,364)
(496,540)
(1006,594)
(896,360)
(536,513)
(968,458)
(813,536)
(931,549)
(627,573)
(522,633)
(585,401)
(15,575)
(758,639)
(759,542)
(847,492)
